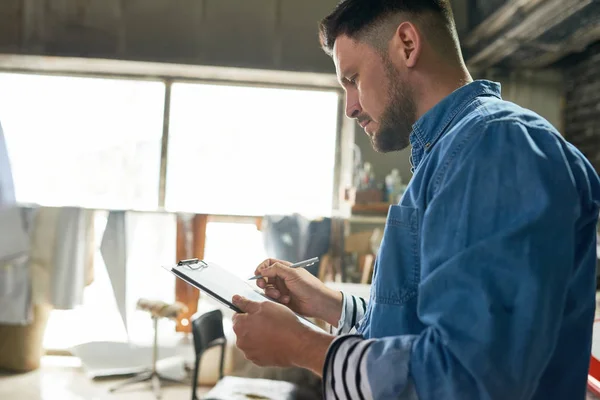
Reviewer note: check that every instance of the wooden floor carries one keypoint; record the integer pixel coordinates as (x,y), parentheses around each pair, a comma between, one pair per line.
(58,381)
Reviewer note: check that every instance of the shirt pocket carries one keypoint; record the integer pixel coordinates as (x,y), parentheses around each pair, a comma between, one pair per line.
(396,278)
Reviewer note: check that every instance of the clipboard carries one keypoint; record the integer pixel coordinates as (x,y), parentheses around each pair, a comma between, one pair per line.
(221,285)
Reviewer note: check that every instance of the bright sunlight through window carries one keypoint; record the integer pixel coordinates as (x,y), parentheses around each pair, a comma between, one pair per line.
(237,247)
(86,142)
(251,151)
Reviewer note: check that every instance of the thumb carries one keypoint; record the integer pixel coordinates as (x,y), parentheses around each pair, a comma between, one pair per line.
(247,306)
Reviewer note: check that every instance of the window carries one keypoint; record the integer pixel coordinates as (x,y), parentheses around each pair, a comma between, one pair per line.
(236,246)
(96,143)
(251,151)
(86,142)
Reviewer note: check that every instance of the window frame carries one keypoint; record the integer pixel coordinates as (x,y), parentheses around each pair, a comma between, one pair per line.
(227,76)
(178,73)
(242,83)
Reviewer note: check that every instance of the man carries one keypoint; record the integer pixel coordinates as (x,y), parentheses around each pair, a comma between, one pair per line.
(484,286)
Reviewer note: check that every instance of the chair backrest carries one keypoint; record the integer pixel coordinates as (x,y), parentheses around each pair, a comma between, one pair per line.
(206,329)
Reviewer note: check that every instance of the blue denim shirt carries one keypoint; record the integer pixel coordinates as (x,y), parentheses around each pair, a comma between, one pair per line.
(484,287)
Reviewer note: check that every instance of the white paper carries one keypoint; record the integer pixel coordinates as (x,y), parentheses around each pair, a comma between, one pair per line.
(224,284)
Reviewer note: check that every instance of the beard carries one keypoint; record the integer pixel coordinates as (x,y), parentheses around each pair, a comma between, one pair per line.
(399,116)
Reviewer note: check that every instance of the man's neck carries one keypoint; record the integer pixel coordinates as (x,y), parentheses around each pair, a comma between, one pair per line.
(437,87)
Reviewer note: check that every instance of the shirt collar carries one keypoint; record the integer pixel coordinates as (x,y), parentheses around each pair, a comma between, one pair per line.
(435,122)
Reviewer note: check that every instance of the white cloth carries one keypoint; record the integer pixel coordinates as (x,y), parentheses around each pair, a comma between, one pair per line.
(134,247)
(114,253)
(59,256)
(70,261)
(15,287)
(6,281)
(43,238)
(14,240)
(7,189)
(15,293)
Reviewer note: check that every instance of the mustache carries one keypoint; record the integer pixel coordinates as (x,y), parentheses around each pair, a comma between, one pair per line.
(363,118)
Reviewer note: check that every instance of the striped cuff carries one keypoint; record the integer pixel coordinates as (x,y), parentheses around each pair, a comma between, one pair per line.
(344,373)
(353,310)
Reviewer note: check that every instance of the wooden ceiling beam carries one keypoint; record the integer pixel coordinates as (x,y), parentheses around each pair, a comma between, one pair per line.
(498,21)
(539,20)
(576,43)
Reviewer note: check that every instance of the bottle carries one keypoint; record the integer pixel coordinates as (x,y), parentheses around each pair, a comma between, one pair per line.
(393,184)
(372,183)
(367,177)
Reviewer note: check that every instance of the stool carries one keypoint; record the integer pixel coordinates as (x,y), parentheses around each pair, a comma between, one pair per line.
(157,310)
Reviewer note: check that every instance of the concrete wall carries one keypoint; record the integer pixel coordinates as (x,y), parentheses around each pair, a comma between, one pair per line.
(270,34)
(540,91)
(582,111)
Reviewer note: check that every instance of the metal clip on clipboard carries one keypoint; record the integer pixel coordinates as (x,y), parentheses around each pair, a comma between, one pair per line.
(193,264)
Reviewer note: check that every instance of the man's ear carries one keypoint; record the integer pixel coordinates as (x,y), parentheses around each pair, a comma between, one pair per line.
(406,44)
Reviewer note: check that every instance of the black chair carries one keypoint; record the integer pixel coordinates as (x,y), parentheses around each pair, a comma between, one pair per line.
(207,330)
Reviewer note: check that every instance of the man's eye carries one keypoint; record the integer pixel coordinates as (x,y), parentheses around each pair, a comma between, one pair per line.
(353,80)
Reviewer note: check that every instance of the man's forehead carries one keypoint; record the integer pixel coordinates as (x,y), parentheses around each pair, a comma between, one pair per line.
(345,51)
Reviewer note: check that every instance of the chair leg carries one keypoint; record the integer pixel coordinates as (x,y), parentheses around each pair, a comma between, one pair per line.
(223,346)
(195,377)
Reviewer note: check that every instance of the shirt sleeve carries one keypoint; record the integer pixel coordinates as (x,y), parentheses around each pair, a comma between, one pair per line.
(494,227)
(353,310)
(345,375)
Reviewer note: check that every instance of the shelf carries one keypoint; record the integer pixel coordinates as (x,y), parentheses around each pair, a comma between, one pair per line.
(371,209)
(366,219)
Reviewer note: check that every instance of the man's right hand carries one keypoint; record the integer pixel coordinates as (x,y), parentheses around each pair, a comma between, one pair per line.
(299,290)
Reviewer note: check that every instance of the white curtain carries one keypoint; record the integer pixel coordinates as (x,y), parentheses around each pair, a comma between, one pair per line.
(7,189)
(134,247)
(114,253)
(71,257)
(15,287)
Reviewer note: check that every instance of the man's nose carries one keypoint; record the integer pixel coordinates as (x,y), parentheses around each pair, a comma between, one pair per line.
(353,108)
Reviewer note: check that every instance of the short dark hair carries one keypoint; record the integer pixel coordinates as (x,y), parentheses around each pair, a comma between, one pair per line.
(353,17)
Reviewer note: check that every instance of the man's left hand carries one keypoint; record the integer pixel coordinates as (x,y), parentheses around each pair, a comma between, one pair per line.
(268,333)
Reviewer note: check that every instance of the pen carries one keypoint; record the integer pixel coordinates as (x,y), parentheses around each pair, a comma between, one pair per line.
(301,264)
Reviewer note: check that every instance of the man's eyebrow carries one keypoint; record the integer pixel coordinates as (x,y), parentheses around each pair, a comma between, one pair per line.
(343,78)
